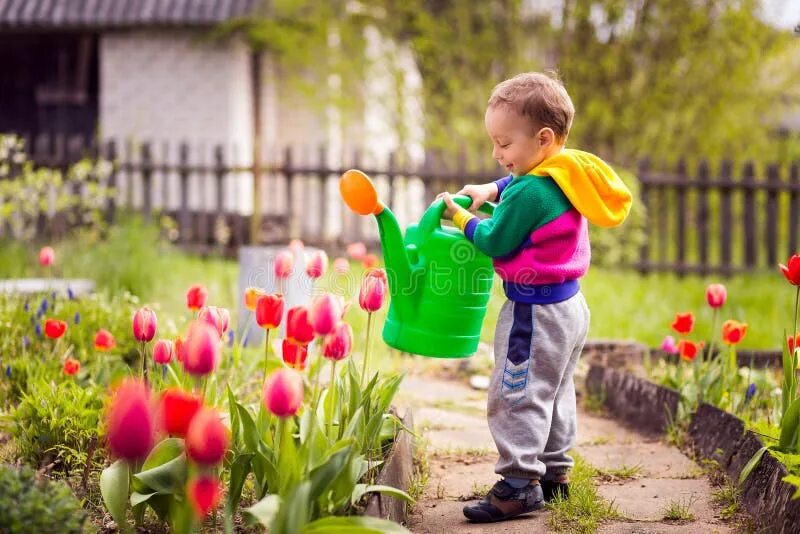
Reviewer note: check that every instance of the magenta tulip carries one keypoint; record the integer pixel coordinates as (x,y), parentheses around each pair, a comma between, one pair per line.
(207,438)
(716,295)
(284,263)
(47,256)
(129,421)
(204,494)
(283,392)
(356,250)
(317,264)
(201,349)
(163,351)
(337,346)
(373,290)
(219,318)
(145,324)
(325,313)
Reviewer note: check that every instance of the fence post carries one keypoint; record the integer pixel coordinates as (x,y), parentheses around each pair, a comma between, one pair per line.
(184,217)
(680,190)
(323,194)
(291,220)
(702,216)
(111,202)
(222,228)
(773,184)
(644,194)
(725,216)
(749,215)
(147,180)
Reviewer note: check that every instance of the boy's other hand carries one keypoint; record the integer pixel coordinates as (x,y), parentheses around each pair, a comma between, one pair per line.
(452,207)
(479,194)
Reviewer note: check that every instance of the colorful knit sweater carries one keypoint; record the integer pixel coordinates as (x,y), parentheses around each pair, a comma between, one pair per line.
(538,236)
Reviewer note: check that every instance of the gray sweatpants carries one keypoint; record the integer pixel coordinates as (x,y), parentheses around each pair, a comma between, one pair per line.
(531,408)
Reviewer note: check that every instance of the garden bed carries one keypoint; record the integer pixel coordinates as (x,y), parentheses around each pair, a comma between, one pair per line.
(715,435)
(397,472)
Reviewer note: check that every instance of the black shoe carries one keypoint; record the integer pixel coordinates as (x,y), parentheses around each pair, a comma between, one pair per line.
(530,499)
(551,488)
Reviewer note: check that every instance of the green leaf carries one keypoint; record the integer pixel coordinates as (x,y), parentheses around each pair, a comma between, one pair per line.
(240,468)
(354,525)
(138,498)
(789,426)
(752,464)
(114,489)
(326,474)
(162,453)
(168,478)
(362,489)
(249,432)
(264,511)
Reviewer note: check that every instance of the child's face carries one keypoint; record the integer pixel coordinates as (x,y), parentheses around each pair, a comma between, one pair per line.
(515,147)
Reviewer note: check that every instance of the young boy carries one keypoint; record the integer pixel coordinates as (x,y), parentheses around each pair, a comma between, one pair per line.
(538,239)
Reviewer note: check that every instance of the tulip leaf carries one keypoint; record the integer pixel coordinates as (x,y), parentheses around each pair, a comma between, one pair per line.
(354,525)
(324,476)
(138,498)
(789,426)
(296,509)
(354,426)
(114,489)
(752,464)
(233,413)
(264,511)
(266,474)
(167,478)
(249,432)
(240,468)
(361,489)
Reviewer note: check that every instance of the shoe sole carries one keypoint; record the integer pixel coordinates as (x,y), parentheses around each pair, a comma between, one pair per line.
(536,507)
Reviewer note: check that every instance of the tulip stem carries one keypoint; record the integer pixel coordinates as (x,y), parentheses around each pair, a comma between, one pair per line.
(366,349)
(317,389)
(143,352)
(332,389)
(266,356)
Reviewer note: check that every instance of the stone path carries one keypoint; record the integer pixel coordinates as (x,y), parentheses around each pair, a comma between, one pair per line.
(461,457)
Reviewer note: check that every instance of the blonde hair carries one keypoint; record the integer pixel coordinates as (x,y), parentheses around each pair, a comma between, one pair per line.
(539,97)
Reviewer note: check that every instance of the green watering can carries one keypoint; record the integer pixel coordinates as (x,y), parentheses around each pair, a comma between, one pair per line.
(439,281)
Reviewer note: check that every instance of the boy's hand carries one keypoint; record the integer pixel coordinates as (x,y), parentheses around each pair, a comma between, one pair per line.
(452,207)
(479,194)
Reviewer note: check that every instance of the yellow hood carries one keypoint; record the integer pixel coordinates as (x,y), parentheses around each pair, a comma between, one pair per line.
(593,187)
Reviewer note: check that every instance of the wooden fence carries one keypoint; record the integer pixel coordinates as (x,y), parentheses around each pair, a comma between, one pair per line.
(696,221)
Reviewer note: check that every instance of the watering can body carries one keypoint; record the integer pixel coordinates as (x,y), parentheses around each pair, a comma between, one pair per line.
(440,283)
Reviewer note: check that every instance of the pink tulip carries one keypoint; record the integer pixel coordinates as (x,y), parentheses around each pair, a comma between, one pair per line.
(145,324)
(284,263)
(196,297)
(341,266)
(296,245)
(129,421)
(669,346)
(204,494)
(219,318)
(317,264)
(201,350)
(325,314)
(337,346)
(716,295)
(47,256)
(373,290)
(298,327)
(356,250)
(207,438)
(163,351)
(283,392)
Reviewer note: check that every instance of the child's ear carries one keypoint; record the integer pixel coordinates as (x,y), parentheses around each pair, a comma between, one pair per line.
(547,137)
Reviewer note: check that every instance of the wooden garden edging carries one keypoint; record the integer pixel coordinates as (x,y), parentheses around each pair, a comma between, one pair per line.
(715,435)
(397,472)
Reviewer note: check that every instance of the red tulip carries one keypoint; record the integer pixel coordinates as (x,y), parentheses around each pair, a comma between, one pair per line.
(180,348)
(177,410)
(71,366)
(356,250)
(145,324)
(793,342)
(373,290)
(716,295)
(341,266)
(283,392)
(298,327)
(733,332)
(317,264)
(683,323)
(251,295)
(325,313)
(688,349)
(47,256)
(284,263)
(163,351)
(269,310)
(337,346)
(207,438)
(201,350)
(219,318)
(792,270)
(295,354)
(129,421)
(54,328)
(296,245)
(196,297)
(104,341)
(204,494)
(369,261)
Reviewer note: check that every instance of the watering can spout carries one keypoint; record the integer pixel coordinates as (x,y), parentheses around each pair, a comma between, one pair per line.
(361,196)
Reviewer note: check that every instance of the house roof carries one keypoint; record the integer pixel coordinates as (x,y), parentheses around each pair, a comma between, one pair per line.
(65,14)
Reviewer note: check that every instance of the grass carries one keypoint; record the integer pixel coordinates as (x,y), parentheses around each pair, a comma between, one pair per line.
(624,472)
(680,510)
(728,498)
(584,510)
(595,402)
(421,470)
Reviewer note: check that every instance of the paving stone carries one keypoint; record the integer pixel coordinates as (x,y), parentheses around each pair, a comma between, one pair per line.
(655,459)
(696,527)
(647,498)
